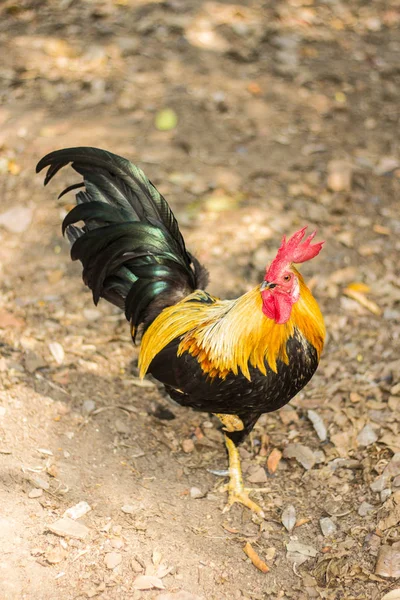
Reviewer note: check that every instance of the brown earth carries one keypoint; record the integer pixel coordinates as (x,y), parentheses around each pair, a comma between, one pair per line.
(268,96)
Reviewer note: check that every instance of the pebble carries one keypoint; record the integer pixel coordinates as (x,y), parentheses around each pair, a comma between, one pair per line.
(91,314)
(188,445)
(328,527)
(112,560)
(117,543)
(364,509)
(78,510)
(122,426)
(38,482)
(128,509)
(35,493)
(339,176)
(17,219)
(33,361)
(196,492)
(367,436)
(67,527)
(55,555)
(88,406)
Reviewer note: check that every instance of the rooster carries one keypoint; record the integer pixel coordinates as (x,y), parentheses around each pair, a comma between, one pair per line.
(234,358)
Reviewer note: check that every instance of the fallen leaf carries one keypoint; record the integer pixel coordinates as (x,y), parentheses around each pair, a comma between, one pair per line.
(57,352)
(289,517)
(166,119)
(274,460)
(66,527)
(7,320)
(318,424)
(392,595)
(148,582)
(302,454)
(362,300)
(255,559)
(388,563)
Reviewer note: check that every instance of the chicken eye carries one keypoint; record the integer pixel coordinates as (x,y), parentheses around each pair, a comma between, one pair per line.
(287,277)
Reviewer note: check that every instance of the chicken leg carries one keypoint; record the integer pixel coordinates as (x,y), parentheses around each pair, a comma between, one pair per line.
(236,490)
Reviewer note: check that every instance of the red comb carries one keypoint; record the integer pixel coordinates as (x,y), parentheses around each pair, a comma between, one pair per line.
(295,251)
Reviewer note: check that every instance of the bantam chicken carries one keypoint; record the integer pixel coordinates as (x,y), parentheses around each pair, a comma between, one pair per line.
(235,358)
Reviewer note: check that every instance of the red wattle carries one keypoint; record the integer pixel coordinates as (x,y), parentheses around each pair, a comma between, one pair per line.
(277,306)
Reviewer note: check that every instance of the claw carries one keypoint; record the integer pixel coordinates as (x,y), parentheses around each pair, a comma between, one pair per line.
(236,490)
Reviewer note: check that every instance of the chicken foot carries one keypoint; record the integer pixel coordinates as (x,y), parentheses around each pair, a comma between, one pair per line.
(235,488)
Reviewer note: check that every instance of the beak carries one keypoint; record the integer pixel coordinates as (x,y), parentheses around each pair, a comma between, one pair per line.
(267,285)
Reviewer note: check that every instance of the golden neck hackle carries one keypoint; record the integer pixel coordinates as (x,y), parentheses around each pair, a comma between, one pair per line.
(229,335)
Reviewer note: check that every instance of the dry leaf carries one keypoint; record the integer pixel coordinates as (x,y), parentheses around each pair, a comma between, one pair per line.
(7,320)
(303,454)
(274,460)
(57,352)
(392,595)
(289,518)
(318,424)
(362,300)
(388,563)
(255,559)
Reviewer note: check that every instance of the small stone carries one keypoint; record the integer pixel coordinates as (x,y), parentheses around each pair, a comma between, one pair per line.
(195,492)
(39,482)
(364,509)
(385,494)
(66,527)
(88,406)
(35,493)
(33,361)
(188,445)
(122,427)
(117,543)
(77,511)
(367,436)
(17,219)
(112,560)
(55,555)
(380,483)
(128,509)
(339,176)
(91,314)
(328,527)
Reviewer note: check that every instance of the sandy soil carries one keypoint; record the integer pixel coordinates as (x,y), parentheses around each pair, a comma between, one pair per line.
(287,115)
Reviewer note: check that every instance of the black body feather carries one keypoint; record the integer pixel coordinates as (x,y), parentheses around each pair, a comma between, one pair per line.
(235,394)
(132,251)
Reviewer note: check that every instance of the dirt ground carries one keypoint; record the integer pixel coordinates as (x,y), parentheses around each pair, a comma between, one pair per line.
(284,113)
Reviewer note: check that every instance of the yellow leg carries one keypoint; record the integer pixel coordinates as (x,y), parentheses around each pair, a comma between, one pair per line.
(236,490)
